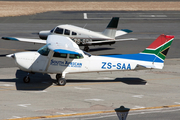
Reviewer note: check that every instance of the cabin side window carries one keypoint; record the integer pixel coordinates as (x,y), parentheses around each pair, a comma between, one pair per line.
(44,50)
(75,56)
(59,30)
(74,33)
(67,32)
(60,55)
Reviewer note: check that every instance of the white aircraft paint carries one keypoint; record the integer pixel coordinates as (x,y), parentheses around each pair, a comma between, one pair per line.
(138,96)
(24,105)
(94,99)
(79,88)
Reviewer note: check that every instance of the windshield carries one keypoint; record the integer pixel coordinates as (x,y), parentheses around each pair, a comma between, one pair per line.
(44,50)
(88,54)
(52,30)
(58,30)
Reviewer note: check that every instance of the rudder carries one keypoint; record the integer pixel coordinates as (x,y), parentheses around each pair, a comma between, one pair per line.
(160,46)
(110,30)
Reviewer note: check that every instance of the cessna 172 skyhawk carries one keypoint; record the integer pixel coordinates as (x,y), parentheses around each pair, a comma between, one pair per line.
(61,55)
(82,36)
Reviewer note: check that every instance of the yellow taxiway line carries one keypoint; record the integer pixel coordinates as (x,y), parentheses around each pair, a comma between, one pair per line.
(91,113)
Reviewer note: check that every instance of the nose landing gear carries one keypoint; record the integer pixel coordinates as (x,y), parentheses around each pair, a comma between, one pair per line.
(26,79)
(86,48)
(60,81)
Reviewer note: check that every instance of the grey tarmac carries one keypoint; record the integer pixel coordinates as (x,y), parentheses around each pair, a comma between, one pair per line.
(92,92)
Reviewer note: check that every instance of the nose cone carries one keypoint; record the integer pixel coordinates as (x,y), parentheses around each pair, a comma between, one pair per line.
(44,34)
(10,56)
(24,60)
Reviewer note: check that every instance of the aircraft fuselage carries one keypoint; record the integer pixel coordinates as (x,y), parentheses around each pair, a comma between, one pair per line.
(80,36)
(67,63)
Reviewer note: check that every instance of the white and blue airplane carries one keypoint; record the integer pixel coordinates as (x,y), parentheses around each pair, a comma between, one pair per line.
(61,56)
(82,36)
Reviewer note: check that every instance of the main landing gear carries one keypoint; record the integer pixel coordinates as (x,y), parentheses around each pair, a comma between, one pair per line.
(86,48)
(60,81)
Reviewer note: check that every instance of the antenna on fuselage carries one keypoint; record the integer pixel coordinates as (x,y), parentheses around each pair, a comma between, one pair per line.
(85,25)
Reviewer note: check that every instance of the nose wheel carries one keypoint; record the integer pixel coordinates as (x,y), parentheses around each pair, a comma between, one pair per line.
(60,81)
(26,79)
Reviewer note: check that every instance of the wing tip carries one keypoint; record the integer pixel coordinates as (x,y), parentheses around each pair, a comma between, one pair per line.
(127,30)
(9,38)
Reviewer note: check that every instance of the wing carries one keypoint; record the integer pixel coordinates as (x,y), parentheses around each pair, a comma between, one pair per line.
(62,44)
(117,40)
(122,32)
(25,40)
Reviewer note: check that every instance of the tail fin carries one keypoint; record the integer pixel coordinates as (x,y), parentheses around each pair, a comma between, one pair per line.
(110,30)
(160,46)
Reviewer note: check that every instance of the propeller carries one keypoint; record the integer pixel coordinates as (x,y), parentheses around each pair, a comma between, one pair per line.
(35,33)
(3,55)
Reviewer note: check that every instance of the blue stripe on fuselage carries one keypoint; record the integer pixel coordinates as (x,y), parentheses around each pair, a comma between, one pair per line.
(139,56)
(65,51)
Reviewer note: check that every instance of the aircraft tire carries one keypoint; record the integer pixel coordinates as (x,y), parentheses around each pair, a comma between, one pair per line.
(26,79)
(61,81)
(86,48)
(58,76)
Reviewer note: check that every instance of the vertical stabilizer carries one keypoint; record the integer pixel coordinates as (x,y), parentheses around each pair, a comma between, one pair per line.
(160,46)
(156,52)
(110,30)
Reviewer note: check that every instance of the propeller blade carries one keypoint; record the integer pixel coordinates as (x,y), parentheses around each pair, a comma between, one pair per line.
(35,33)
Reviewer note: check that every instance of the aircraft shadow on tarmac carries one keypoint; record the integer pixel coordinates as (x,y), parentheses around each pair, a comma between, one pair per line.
(41,82)
(129,81)
(38,81)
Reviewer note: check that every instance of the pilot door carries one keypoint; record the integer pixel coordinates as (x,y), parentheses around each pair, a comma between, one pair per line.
(58,63)
(77,63)
(61,62)
(40,63)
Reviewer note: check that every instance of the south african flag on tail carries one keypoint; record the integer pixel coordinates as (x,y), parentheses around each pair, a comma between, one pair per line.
(153,56)
(160,46)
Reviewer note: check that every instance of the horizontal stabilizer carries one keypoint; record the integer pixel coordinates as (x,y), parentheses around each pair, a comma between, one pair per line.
(126,39)
(25,40)
(152,66)
(122,32)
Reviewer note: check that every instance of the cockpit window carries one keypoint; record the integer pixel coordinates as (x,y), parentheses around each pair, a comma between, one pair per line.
(60,55)
(44,50)
(59,30)
(52,30)
(75,56)
(74,33)
(67,32)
